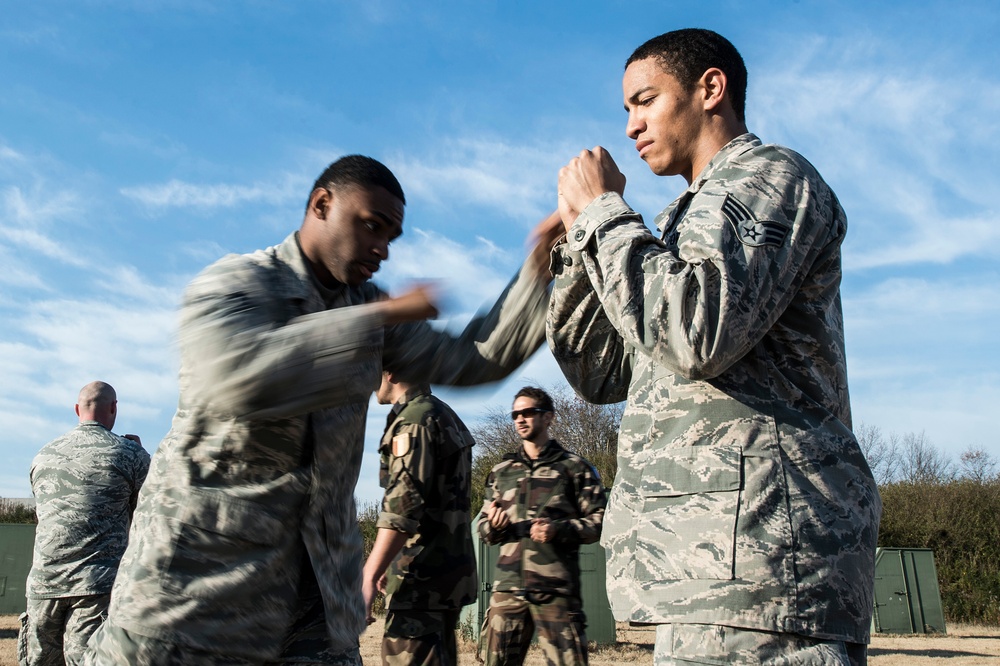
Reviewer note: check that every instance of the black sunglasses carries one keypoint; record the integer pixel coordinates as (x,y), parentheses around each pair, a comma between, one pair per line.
(530,411)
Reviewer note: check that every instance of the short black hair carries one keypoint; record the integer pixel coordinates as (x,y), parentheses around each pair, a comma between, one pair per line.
(689,53)
(541,398)
(358,170)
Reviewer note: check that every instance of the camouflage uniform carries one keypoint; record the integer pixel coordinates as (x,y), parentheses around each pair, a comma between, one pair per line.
(538,584)
(248,515)
(85,483)
(426,462)
(742,497)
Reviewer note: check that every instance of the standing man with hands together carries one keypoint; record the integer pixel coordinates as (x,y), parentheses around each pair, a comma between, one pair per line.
(542,503)
(744,515)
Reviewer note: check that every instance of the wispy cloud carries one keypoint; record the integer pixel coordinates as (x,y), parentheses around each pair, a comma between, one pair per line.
(516,180)
(180,194)
(472,274)
(916,186)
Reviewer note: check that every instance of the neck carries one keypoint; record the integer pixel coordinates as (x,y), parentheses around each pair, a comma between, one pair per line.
(533,447)
(715,137)
(308,244)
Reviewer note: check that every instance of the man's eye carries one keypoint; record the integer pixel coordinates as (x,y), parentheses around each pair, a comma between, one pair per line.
(646,101)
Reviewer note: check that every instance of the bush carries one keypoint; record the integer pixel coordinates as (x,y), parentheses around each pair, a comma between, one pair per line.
(15,512)
(958,521)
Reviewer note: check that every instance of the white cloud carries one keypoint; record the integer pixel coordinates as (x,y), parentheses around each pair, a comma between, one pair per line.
(471,274)
(516,180)
(179,194)
(916,186)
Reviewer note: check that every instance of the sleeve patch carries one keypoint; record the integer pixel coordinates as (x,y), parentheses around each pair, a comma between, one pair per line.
(750,230)
(401,444)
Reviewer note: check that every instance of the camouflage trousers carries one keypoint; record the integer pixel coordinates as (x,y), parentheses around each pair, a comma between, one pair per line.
(687,644)
(420,637)
(56,631)
(113,645)
(512,620)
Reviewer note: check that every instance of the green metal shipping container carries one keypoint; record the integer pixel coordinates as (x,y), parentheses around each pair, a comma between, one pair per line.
(16,544)
(907,598)
(593,568)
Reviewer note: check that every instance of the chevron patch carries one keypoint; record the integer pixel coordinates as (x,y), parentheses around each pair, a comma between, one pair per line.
(749,229)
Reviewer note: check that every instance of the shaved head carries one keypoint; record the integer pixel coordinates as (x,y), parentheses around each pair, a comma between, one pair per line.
(98,402)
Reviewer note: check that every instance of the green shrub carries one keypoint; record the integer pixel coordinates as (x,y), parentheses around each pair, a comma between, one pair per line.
(15,512)
(960,521)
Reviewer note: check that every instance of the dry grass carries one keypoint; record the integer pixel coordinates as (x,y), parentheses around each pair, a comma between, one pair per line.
(964,645)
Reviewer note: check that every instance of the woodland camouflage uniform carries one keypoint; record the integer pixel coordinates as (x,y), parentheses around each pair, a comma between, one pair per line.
(742,497)
(86,484)
(539,583)
(426,463)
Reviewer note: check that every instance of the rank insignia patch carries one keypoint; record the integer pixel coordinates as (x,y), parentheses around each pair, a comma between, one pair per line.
(401,445)
(749,229)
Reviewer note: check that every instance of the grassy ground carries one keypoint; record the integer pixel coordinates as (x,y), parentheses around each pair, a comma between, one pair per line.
(964,645)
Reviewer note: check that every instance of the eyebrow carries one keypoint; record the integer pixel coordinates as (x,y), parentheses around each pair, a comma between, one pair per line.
(635,96)
(389,222)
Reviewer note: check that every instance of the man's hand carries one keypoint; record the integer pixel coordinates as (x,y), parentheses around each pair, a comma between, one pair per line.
(586,177)
(417,304)
(134,438)
(542,530)
(542,238)
(498,517)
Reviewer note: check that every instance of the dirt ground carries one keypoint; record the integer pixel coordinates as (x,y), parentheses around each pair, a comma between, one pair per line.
(963,645)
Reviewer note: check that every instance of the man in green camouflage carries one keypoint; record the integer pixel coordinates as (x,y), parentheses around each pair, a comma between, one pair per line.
(424,527)
(744,515)
(541,503)
(85,483)
(246,548)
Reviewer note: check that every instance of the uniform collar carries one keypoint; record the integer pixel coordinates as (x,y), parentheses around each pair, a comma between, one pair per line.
(409,395)
(290,252)
(552,452)
(740,144)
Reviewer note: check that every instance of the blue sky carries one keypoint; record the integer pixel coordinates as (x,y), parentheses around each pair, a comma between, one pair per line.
(140,141)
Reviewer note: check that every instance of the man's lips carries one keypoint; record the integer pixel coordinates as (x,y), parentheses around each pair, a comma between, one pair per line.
(641,146)
(368,268)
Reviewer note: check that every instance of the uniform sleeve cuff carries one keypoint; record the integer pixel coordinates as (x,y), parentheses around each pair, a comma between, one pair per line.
(394,521)
(598,212)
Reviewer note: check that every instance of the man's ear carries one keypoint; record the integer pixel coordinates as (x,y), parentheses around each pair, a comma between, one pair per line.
(320,201)
(76,408)
(714,86)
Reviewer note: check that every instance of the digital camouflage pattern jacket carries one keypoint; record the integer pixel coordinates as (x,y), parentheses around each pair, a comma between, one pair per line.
(560,486)
(256,478)
(426,462)
(86,484)
(742,497)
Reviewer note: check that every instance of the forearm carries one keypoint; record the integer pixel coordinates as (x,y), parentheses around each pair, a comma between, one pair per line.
(491,347)
(696,307)
(387,545)
(588,349)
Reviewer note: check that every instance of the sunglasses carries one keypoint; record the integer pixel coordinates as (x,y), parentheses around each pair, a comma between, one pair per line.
(526,413)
